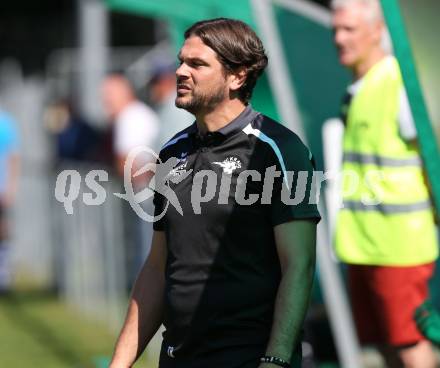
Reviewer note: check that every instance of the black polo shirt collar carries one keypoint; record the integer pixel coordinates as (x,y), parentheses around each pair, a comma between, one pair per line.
(236,125)
(242,120)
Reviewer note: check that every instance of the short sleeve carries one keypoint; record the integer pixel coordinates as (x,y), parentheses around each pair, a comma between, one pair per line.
(159,207)
(158,201)
(292,196)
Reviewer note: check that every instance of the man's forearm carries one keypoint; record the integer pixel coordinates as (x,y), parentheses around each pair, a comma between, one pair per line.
(290,309)
(144,315)
(130,343)
(137,330)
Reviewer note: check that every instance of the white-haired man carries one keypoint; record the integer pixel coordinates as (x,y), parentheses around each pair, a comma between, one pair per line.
(385,230)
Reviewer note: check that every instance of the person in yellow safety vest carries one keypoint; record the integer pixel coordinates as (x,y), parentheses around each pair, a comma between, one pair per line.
(385,228)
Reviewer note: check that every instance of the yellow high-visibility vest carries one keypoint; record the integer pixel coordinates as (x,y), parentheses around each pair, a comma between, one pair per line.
(387,217)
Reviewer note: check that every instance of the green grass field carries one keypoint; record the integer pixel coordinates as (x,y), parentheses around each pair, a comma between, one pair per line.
(37,330)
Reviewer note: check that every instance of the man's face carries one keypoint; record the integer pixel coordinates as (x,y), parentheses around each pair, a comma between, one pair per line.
(115,96)
(201,80)
(355,35)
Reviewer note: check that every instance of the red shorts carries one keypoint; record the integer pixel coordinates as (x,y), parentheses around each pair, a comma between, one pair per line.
(384,300)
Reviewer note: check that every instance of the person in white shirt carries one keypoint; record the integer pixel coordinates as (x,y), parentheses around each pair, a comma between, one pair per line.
(135,125)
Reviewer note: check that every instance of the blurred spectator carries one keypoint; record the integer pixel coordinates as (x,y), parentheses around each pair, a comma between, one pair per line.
(9,166)
(135,125)
(75,138)
(162,89)
(385,230)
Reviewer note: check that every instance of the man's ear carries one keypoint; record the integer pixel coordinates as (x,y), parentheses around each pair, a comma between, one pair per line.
(237,79)
(378,29)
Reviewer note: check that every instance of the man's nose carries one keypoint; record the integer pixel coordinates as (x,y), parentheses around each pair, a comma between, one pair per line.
(182,71)
(339,37)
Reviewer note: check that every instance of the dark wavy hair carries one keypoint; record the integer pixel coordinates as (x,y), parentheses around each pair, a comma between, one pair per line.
(237,46)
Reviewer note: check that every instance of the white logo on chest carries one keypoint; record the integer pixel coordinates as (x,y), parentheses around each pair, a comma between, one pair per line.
(180,172)
(229,165)
(179,169)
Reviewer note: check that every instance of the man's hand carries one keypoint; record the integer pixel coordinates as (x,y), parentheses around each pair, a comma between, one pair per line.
(428,322)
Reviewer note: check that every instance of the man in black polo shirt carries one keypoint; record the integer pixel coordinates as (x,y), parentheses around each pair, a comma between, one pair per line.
(232,261)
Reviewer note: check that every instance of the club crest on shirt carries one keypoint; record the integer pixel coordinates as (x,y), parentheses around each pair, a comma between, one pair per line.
(229,164)
(179,173)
